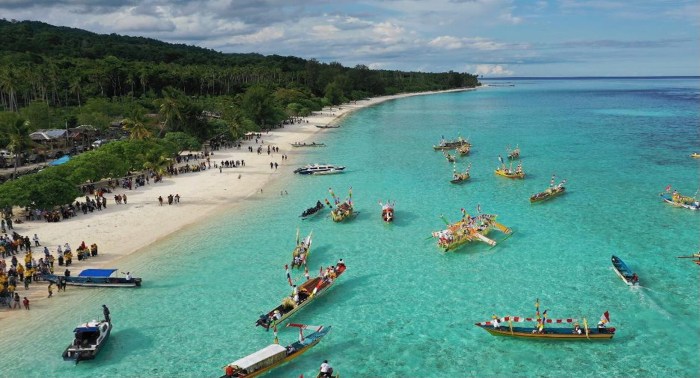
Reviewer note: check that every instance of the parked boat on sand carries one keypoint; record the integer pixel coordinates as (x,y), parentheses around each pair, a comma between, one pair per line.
(96,278)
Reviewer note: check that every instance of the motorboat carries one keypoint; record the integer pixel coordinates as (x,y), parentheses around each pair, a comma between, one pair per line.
(319,169)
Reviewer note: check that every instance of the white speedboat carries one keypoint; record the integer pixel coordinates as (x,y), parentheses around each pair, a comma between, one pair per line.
(319,169)
(89,339)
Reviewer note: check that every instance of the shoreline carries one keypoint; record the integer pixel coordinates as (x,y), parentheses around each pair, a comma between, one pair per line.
(122,230)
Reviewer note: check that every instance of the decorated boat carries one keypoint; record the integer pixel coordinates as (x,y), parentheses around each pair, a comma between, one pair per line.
(504,171)
(551,192)
(387,210)
(301,251)
(464,149)
(88,341)
(458,178)
(695,155)
(624,272)
(513,154)
(274,354)
(451,144)
(304,144)
(96,278)
(312,210)
(678,200)
(449,157)
(467,230)
(503,326)
(306,293)
(695,256)
(319,169)
(342,210)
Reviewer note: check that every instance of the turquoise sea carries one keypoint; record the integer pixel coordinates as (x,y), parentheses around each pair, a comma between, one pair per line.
(403,309)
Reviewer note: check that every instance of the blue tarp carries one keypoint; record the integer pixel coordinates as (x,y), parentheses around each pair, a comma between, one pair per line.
(61,160)
(96,272)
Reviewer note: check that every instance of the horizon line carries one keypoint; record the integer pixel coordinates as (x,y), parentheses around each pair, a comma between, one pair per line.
(589,77)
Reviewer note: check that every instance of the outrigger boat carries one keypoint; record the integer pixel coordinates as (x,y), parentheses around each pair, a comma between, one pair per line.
(387,211)
(513,154)
(467,230)
(551,192)
(96,278)
(496,327)
(624,272)
(302,296)
(343,210)
(695,155)
(449,157)
(451,144)
(89,339)
(301,251)
(312,210)
(678,200)
(275,355)
(509,172)
(695,256)
(458,178)
(314,144)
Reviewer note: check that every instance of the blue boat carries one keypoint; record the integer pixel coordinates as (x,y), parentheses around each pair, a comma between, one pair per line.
(89,339)
(624,271)
(96,278)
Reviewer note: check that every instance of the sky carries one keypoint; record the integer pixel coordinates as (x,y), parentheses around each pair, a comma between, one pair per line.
(493,38)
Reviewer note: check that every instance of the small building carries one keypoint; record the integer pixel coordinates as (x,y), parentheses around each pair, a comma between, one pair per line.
(51,137)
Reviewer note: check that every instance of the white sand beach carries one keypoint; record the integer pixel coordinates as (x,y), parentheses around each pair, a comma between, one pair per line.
(121,230)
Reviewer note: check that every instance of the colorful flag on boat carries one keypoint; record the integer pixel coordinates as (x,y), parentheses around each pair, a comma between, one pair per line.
(605,318)
(668,188)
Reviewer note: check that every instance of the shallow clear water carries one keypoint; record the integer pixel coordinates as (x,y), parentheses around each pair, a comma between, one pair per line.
(403,308)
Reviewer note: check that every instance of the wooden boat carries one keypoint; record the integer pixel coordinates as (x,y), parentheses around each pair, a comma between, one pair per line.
(458,178)
(387,211)
(513,154)
(327,126)
(467,230)
(678,200)
(464,149)
(624,272)
(551,192)
(96,278)
(695,155)
(301,251)
(504,327)
(314,144)
(449,157)
(306,293)
(312,210)
(275,355)
(88,341)
(509,172)
(695,256)
(342,211)
(451,144)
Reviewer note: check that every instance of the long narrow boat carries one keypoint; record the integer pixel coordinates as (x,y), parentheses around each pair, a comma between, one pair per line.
(624,272)
(458,178)
(301,251)
(551,192)
(451,144)
(311,211)
(88,341)
(695,155)
(510,173)
(96,278)
(275,355)
(504,327)
(467,230)
(306,293)
(678,200)
(313,144)
(327,126)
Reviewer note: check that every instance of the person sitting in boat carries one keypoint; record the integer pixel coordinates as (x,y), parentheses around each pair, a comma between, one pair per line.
(297,260)
(577,329)
(601,327)
(635,278)
(319,204)
(326,370)
(340,263)
(277,315)
(519,169)
(496,323)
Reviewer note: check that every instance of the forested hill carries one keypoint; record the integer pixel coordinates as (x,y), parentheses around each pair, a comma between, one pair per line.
(46,40)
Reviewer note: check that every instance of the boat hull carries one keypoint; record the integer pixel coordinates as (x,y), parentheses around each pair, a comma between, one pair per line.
(549,333)
(505,174)
(96,281)
(388,215)
(543,196)
(460,179)
(690,206)
(622,270)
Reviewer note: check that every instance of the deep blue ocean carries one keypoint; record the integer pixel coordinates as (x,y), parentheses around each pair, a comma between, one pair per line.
(403,308)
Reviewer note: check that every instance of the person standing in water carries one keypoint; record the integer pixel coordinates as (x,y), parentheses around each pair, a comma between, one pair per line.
(105,311)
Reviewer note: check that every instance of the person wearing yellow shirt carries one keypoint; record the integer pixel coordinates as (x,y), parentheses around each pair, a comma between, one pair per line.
(20,272)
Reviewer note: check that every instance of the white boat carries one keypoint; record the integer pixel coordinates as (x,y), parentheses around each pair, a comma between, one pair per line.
(319,169)
(89,339)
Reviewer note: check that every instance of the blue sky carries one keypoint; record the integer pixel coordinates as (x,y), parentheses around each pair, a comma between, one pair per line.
(487,37)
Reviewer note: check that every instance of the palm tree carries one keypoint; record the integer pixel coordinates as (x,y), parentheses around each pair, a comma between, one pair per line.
(156,163)
(18,133)
(170,110)
(136,127)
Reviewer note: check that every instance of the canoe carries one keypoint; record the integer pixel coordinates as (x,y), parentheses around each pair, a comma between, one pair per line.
(547,194)
(460,178)
(510,174)
(695,155)
(311,211)
(623,271)
(275,355)
(678,200)
(307,292)
(553,333)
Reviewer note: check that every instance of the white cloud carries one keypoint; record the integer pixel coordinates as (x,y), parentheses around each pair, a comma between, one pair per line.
(388,32)
(492,69)
(447,42)
(264,35)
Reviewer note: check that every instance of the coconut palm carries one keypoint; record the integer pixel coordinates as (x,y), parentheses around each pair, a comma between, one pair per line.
(170,110)
(18,134)
(136,127)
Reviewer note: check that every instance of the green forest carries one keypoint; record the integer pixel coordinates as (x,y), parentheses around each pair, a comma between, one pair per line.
(165,97)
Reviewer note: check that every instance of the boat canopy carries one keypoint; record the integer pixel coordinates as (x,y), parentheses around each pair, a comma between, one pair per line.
(269,352)
(96,272)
